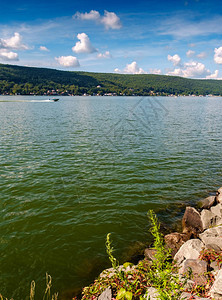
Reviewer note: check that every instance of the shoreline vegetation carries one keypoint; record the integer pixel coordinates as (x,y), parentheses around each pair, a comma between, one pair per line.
(18,80)
(180,265)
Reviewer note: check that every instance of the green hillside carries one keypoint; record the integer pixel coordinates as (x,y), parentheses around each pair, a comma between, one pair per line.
(42,81)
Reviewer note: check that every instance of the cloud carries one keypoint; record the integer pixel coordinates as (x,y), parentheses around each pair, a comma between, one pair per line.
(214,75)
(181,27)
(175,59)
(190,53)
(191,70)
(43,48)
(107,54)
(218,55)
(155,71)
(92,15)
(131,69)
(8,55)
(15,43)
(68,61)
(84,45)
(110,20)
(202,55)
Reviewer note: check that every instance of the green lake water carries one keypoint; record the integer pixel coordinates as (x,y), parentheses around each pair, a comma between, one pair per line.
(74,170)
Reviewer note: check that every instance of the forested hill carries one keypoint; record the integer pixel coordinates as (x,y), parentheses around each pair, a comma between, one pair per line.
(42,81)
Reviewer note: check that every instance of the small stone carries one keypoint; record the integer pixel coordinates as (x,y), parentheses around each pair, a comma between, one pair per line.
(187,296)
(191,222)
(198,268)
(212,236)
(190,250)
(106,295)
(216,289)
(152,294)
(207,202)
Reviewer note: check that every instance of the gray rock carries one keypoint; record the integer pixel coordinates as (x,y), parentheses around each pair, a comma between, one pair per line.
(190,250)
(191,222)
(217,210)
(187,296)
(219,198)
(152,294)
(213,246)
(198,268)
(216,290)
(106,295)
(175,240)
(208,218)
(215,266)
(207,202)
(212,236)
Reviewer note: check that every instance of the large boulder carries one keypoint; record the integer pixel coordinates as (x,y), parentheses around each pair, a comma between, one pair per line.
(212,236)
(208,218)
(219,195)
(191,222)
(219,198)
(216,289)
(219,190)
(198,267)
(190,250)
(175,240)
(217,210)
(207,202)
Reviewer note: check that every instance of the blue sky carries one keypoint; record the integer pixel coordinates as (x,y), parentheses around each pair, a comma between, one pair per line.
(181,38)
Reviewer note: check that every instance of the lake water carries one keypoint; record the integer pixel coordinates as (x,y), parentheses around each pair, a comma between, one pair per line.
(75,170)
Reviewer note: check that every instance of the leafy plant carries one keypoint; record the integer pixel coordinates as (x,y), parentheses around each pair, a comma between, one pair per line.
(163,273)
(109,251)
(210,255)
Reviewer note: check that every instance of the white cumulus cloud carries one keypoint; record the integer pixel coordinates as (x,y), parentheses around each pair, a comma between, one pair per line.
(15,42)
(43,48)
(8,55)
(191,70)
(155,71)
(92,15)
(132,68)
(214,75)
(84,45)
(107,54)
(68,61)
(218,55)
(190,53)
(110,20)
(175,59)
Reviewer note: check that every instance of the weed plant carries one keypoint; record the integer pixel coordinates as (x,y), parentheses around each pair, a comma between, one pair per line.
(131,282)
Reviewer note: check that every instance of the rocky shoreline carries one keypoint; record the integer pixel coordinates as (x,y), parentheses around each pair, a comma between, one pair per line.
(197,249)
